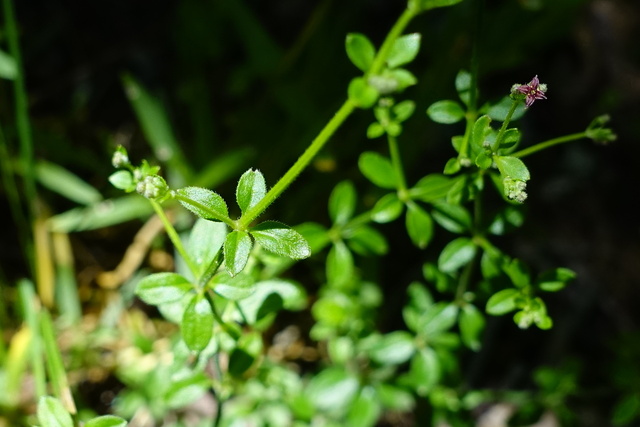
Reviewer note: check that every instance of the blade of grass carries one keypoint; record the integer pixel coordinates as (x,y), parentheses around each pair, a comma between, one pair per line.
(55,367)
(16,365)
(30,308)
(60,180)
(22,119)
(67,297)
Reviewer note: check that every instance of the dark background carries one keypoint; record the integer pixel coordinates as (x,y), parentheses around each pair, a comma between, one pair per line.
(267,75)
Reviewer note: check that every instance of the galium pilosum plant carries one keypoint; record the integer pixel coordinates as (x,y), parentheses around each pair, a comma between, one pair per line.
(230,286)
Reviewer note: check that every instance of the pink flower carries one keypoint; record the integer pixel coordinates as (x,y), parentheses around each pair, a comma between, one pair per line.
(532,91)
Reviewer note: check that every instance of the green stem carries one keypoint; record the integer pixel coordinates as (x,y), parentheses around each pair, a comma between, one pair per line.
(505,124)
(250,215)
(396,161)
(330,128)
(22,122)
(173,235)
(394,33)
(549,143)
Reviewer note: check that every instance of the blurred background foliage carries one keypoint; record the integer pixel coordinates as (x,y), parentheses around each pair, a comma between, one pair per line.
(233,84)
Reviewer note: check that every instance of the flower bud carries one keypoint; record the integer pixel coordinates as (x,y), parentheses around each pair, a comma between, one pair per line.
(120,158)
(514,189)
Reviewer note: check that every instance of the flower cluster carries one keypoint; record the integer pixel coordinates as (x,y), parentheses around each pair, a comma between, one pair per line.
(514,189)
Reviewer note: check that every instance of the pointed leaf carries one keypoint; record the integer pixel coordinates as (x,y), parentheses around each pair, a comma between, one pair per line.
(445,112)
(234,288)
(281,239)
(362,93)
(404,50)
(463,86)
(393,348)
(332,389)
(456,254)
(51,413)
(367,240)
(251,189)
(556,279)
(425,371)
(360,51)
(378,169)
(339,264)
(471,326)
(237,247)
(205,239)
(160,288)
(197,324)
(203,202)
(419,225)
(388,208)
(512,167)
(502,301)
(431,188)
(481,129)
(342,202)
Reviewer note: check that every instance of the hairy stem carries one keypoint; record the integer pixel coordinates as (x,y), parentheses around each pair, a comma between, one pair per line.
(549,143)
(173,235)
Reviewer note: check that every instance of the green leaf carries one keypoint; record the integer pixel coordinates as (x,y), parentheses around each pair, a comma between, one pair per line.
(362,93)
(471,326)
(250,190)
(160,288)
(393,348)
(332,390)
(205,239)
(431,188)
(437,319)
(403,110)
(281,239)
(387,209)
(512,167)
(452,166)
(237,247)
(342,202)
(556,279)
(503,301)
(456,254)
(404,50)
(510,138)
(400,78)
(339,264)
(454,218)
(184,391)
(395,398)
(425,371)
(446,112)
(270,296)
(197,324)
(518,273)
(315,234)
(123,180)
(419,225)
(378,169)
(365,409)
(234,288)
(8,67)
(203,202)
(51,413)
(627,410)
(375,130)
(62,181)
(463,86)
(106,421)
(483,161)
(360,51)
(481,129)
(366,240)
